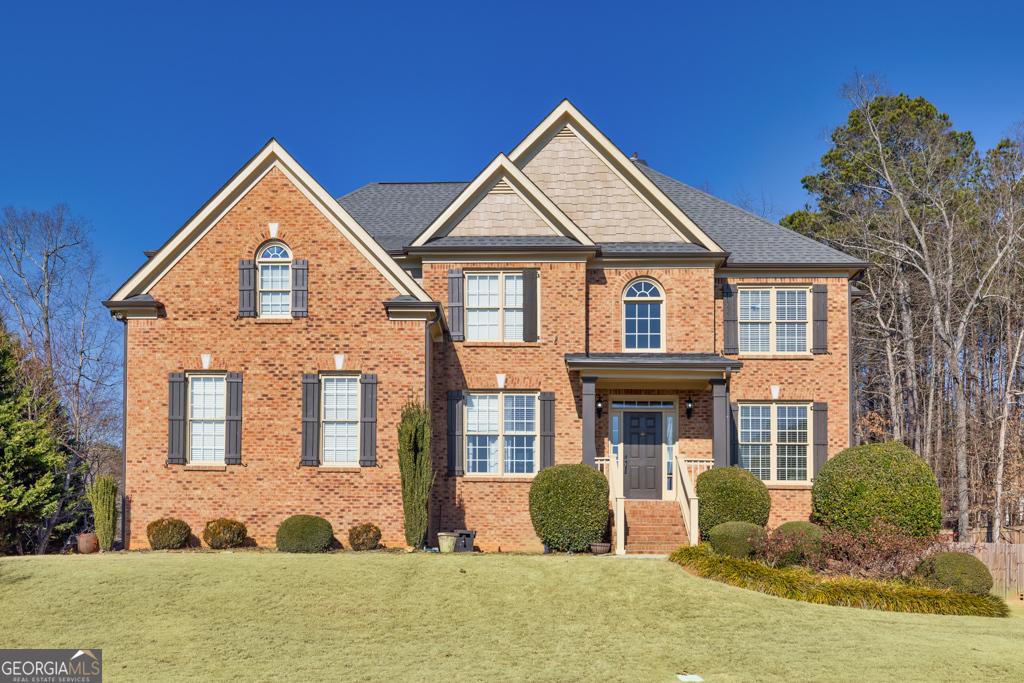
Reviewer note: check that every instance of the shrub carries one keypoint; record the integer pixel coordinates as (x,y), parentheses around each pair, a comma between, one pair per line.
(958,571)
(881,481)
(731,494)
(881,552)
(168,533)
(417,471)
(224,533)
(797,583)
(791,543)
(364,537)
(735,539)
(305,534)
(102,495)
(569,506)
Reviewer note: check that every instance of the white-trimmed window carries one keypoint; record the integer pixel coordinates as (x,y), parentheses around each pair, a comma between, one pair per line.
(207,407)
(501,433)
(643,316)
(774,441)
(773,319)
(274,264)
(494,306)
(340,419)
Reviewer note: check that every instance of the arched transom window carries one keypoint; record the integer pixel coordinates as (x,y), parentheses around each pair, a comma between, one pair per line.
(643,307)
(275,281)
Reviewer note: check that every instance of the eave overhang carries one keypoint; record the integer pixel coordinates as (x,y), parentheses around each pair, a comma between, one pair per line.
(654,366)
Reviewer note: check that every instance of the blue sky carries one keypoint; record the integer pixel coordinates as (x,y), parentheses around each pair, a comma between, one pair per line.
(135,116)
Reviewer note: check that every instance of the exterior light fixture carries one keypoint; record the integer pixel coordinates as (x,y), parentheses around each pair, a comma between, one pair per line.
(689,407)
(599,407)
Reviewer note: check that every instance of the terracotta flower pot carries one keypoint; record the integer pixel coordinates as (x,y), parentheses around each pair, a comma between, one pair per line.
(88,543)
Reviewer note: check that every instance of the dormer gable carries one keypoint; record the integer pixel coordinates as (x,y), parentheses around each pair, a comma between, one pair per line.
(502,202)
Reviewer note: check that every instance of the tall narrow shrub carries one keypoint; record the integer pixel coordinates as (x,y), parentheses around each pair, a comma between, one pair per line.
(417,470)
(102,495)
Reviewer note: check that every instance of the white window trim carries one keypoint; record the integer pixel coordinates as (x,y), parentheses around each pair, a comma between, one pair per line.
(773,320)
(773,441)
(260,261)
(501,435)
(188,418)
(663,300)
(358,419)
(501,306)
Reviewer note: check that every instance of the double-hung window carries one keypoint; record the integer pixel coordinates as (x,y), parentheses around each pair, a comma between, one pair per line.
(494,306)
(501,433)
(207,407)
(774,441)
(340,419)
(275,281)
(773,320)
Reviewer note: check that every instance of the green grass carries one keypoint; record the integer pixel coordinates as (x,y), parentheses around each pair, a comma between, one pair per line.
(269,616)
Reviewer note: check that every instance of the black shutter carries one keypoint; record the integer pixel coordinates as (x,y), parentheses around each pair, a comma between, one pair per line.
(819,306)
(310,421)
(300,288)
(246,288)
(734,434)
(368,420)
(233,430)
(530,312)
(547,429)
(730,318)
(820,436)
(455,434)
(176,388)
(456,311)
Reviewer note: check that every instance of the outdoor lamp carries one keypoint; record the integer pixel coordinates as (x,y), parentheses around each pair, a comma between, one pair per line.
(599,407)
(689,407)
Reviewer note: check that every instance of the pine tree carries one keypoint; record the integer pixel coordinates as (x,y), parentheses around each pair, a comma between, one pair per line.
(29,454)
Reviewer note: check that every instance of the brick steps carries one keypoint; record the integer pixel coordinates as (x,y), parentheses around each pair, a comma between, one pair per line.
(654,527)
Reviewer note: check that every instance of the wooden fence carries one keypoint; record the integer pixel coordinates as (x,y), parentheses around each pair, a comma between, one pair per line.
(1005,561)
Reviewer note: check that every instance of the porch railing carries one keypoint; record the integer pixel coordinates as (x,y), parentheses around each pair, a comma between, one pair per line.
(616,496)
(694,466)
(686,495)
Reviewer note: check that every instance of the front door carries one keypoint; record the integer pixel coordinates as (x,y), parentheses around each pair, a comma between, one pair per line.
(642,455)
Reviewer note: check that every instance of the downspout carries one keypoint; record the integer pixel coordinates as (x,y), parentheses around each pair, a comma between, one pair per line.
(124,437)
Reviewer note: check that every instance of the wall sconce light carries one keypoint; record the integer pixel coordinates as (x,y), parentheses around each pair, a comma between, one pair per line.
(599,407)
(689,407)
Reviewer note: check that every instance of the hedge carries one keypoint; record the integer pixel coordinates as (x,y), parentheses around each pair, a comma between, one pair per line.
(305,534)
(795,583)
(956,571)
(168,533)
(736,539)
(731,494)
(364,537)
(224,533)
(569,506)
(884,482)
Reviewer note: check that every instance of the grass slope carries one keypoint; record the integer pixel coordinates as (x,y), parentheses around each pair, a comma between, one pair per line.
(262,616)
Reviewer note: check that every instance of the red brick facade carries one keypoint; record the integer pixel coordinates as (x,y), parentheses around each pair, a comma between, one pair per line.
(580,311)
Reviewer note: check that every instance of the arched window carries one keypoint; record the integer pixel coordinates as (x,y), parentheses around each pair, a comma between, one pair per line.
(643,310)
(274,262)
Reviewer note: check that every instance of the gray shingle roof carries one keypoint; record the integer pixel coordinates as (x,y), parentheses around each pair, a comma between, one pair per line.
(396,213)
(680,248)
(748,238)
(661,360)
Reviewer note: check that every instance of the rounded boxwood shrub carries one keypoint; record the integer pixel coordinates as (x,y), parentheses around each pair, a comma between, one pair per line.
(168,533)
(879,482)
(961,572)
(569,506)
(224,533)
(364,537)
(305,534)
(731,494)
(800,539)
(735,539)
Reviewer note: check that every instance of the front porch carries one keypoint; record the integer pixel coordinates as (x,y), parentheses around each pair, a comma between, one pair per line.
(651,423)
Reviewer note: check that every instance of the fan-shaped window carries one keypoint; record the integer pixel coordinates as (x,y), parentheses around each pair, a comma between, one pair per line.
(275,280)
(643,309)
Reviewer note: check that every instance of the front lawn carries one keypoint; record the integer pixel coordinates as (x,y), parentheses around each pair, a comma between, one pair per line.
(271,616)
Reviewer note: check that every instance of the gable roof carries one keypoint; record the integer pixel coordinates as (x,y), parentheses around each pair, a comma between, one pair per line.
(395,213)
(271,156)
(501,168)
(565,115)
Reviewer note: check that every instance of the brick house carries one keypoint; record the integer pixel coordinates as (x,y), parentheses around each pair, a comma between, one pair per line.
(567,305)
